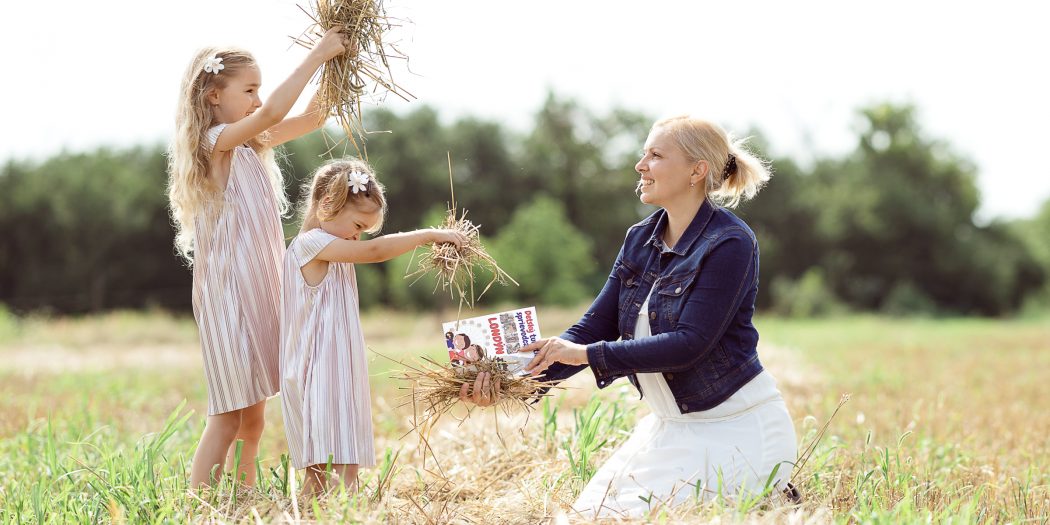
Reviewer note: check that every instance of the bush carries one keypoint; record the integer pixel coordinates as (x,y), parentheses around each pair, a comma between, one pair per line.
(416,292)
(907,300)
(807,296)
(548,257)
(8,324)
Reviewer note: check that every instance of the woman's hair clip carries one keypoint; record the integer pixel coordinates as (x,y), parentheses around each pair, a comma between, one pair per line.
(358,181)
(213,65)
(730,167)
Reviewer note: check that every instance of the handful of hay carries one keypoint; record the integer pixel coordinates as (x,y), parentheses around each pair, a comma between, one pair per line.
(454,268)
(347,77)
(435,388)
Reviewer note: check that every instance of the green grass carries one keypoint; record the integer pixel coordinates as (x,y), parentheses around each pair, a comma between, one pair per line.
(947,422)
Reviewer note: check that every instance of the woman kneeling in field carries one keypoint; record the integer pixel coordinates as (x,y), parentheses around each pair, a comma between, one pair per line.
(674,318)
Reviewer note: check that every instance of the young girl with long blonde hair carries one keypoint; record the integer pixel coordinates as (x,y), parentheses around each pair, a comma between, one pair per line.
(227,197)
(324,391)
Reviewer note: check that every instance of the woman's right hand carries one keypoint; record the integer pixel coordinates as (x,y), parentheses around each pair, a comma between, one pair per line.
(332,44)
(482,393)
(455,237)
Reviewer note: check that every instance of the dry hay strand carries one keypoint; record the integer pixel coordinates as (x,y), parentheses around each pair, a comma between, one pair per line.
(803,458)
(347,78)
(435,389)
(453,268)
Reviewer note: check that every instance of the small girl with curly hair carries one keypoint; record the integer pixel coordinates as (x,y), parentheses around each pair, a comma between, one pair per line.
(325,394)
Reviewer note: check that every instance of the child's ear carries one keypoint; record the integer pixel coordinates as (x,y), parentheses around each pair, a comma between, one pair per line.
(213,96)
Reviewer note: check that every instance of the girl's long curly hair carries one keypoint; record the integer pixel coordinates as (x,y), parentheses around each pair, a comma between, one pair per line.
(192,193)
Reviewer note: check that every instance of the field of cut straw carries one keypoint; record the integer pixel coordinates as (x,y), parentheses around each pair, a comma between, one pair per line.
(947,422)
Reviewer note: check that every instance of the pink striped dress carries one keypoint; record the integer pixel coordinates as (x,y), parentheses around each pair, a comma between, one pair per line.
(237,286)
(324,373)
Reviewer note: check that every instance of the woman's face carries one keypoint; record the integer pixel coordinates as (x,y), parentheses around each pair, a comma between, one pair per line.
(665,171)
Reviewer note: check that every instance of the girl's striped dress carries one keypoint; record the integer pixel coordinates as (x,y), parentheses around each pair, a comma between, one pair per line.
(324,374)
(237,286)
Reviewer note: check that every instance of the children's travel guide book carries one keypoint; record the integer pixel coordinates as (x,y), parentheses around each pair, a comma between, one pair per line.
(497,336)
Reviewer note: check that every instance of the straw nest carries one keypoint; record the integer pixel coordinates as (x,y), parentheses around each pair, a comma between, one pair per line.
(348,77)
(455,268)
(435,388)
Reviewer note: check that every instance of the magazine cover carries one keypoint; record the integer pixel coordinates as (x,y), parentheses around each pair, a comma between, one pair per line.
(498,336)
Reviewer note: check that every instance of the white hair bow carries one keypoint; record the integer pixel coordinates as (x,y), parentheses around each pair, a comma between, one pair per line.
(213,65)
(358,181)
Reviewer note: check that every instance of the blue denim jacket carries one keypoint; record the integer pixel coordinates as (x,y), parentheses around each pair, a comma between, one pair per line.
(699,312)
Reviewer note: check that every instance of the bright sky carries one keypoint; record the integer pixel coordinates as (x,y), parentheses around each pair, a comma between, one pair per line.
(83,74)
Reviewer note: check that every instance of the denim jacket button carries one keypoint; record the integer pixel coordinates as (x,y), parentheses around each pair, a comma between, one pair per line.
(652,316)
(670,376)
(684,407)
(678,290)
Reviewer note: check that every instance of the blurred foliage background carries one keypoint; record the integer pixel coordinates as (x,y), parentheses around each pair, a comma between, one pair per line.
(888,227)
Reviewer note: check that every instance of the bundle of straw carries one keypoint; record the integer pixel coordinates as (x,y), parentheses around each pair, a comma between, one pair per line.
(454,268)
(347,77)
(436,387)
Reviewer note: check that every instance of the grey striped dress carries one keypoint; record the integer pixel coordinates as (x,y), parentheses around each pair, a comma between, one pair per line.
(237,286)
(324,373)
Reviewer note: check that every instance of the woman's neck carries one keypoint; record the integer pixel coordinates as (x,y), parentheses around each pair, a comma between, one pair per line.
(679,216)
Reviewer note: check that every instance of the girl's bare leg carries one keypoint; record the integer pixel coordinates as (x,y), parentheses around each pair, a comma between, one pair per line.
(317,481)
(219,432)
(347,476)
(249,431)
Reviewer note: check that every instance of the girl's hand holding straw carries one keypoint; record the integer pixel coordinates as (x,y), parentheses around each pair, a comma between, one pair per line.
(332,44)
(447,236)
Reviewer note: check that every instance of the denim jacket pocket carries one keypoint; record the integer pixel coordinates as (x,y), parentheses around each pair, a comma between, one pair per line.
(676,285)
(628,276)
(673,290)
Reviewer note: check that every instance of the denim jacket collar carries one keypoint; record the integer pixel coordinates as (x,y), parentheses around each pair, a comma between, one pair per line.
(692,232)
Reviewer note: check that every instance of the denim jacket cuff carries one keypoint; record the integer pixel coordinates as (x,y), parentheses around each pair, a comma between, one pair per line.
(596,358)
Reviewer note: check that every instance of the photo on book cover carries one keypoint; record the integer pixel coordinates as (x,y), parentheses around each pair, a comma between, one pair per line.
(497,336)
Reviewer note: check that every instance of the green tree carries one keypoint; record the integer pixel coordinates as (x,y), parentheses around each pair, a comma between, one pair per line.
(545,254)
(783,217)
(1035,232)
(586,162)
(900,211)
(89,231)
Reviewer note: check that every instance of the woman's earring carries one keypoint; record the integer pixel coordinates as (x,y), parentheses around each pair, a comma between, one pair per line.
(691,184)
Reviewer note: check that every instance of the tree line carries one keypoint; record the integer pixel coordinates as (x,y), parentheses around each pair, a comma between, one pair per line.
(887,227)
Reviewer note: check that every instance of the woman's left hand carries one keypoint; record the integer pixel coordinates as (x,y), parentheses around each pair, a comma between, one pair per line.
(554,350)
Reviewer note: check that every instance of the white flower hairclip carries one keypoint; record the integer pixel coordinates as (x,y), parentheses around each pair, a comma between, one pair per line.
(358,181)
(213,65)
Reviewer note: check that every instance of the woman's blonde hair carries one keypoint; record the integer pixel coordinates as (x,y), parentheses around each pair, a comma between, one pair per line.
(328,192)
(733,173)
(191,192)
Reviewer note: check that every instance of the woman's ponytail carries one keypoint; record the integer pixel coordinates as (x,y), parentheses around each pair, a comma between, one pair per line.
(741,177)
